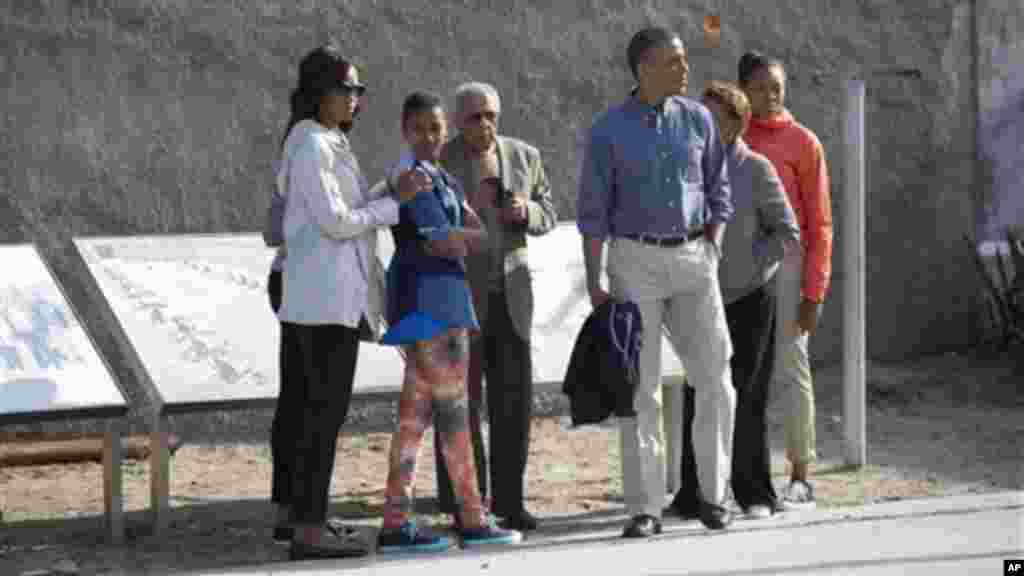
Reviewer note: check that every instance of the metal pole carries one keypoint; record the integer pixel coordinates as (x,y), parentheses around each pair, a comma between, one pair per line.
(854,356)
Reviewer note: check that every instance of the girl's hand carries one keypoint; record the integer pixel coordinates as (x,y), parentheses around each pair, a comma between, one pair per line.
(454,246)
(412,182)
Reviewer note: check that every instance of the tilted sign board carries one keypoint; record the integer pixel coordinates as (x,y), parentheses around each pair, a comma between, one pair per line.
(196,310)
(48,365)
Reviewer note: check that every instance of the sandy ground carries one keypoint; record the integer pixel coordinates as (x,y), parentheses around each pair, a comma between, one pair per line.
(939,426)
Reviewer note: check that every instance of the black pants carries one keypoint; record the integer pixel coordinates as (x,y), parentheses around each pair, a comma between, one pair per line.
(751,322)
(287,412)
(445,494)
(320,372)
(508,369)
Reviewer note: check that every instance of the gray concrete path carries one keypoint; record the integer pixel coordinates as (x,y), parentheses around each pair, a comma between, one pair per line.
(957,535)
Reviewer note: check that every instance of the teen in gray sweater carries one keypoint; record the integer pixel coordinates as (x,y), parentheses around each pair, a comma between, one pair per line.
(762,230)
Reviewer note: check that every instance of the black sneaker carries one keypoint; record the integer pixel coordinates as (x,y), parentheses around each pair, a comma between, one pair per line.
(410,538)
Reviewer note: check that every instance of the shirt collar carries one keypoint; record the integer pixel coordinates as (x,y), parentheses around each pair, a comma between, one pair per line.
(634,104)
(332,135)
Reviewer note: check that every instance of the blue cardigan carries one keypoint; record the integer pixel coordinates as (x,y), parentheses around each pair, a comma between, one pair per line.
(427,294)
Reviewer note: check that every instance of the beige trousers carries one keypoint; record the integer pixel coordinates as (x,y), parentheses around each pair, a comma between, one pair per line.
(792,378)
(677,291)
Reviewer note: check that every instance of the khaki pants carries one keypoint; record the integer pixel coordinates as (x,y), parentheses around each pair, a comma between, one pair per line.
(676,289)
(792,367)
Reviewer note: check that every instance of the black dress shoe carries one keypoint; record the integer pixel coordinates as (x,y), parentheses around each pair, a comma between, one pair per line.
(522,521)
(283,533)
(714,517)
(642,526)
(683,510)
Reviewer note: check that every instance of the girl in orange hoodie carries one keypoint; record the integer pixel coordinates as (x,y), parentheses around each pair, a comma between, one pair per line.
(799,158)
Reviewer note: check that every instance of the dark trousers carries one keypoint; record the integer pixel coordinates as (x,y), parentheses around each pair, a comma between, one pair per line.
(474,385)
(287,412)
(508,369)
(751,322)
(324,360)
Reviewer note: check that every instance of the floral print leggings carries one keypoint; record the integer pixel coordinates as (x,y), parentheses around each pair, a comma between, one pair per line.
(434,388)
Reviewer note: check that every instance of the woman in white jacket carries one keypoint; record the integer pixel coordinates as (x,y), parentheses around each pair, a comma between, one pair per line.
(329,290)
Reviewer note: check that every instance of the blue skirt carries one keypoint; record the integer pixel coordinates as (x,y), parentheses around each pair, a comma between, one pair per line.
(422,305)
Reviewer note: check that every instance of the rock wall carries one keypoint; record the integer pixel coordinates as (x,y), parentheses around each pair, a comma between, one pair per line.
(165,116)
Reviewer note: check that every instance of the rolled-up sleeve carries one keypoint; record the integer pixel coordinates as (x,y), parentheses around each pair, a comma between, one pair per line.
(717,193)
(273,228)
(593,197)
(313,179)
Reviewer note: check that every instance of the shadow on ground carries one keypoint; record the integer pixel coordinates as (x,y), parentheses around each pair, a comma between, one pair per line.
(206,535)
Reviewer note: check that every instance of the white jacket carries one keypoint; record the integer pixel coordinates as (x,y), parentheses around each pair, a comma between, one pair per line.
(330,231)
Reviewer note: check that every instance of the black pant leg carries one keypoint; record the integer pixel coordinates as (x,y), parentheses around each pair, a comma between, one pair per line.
(751,326)
(764,491)
(509,373)
(287,411)
(688,495)
(445,494)
(285,429)
(327,355)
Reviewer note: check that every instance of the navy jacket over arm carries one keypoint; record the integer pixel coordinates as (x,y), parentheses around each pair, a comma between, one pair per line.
(601,377)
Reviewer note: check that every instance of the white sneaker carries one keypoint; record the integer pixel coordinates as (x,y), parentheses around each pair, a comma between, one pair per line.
(799,495)
(758,512)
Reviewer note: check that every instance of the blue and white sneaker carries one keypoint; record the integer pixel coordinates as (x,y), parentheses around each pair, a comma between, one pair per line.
(489,534)
(409,538)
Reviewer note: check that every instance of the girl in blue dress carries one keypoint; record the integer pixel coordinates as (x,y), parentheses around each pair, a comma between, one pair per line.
(430,314)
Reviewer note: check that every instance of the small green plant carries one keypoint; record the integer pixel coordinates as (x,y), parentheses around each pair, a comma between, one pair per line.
(1004,290)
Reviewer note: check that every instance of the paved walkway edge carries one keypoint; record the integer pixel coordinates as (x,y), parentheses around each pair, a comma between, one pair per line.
(880,538)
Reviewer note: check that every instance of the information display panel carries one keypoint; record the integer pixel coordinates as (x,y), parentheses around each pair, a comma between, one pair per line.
(49,367)
(195,308)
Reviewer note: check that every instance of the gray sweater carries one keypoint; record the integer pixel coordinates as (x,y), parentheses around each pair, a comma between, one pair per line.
(763,221)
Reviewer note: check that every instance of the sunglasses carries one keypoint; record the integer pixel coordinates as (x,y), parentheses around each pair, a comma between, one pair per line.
(349,89)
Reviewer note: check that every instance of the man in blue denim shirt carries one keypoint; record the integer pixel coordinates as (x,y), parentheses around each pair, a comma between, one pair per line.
(654,186)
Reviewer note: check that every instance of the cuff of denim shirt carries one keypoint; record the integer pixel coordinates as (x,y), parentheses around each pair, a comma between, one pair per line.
(590,229)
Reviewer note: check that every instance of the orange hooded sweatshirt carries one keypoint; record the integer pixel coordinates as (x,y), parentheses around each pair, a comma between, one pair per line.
(799,158)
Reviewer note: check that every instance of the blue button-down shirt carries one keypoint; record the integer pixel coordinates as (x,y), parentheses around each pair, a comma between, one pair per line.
(657,170)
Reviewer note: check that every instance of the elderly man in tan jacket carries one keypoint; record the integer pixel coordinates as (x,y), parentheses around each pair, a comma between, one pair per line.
(505,183)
